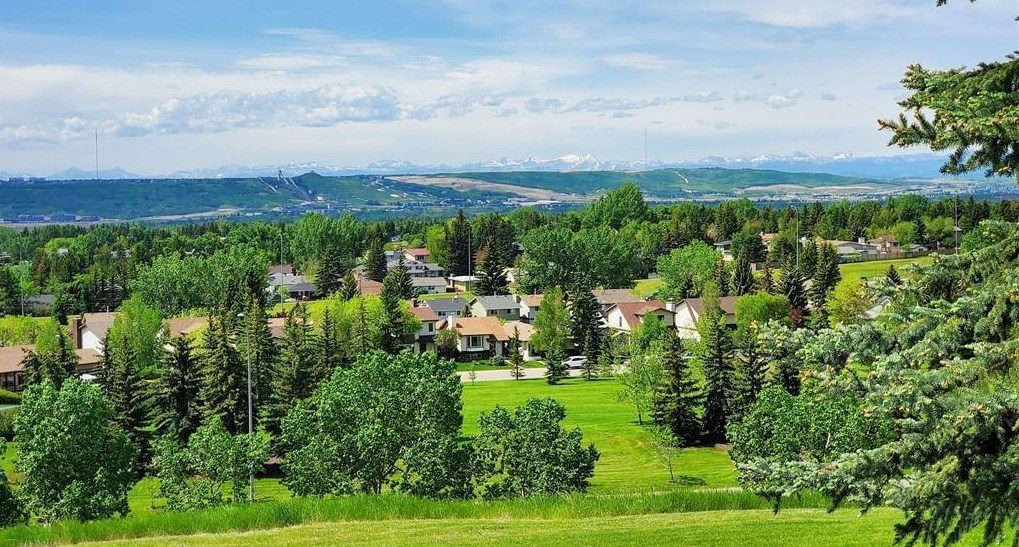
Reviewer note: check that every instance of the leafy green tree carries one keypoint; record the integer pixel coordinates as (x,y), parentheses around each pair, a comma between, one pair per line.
(847,304)
(224,376)
(364,422)
(527,452)
(175,405)
(12,511)
(748,241)
(445,343)
(678,398)
(10,293)
(778,346)
(716,357)
(76,463)
(694,263)
(552,333)
(491,276)
(644,373)
(618,207)
(761,308)
(195,476)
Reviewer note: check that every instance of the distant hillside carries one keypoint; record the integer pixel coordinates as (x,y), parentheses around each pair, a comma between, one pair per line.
(673,182)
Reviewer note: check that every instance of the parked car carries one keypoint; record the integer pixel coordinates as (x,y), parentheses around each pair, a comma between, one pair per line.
(577,361)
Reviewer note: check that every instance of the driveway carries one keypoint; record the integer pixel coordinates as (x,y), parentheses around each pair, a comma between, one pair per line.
(498,375)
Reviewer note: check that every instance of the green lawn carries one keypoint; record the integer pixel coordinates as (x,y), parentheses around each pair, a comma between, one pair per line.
(798,527)
(483,365)
(627,461)
(853,272)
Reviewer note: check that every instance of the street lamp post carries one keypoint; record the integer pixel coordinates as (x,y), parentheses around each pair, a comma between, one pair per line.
(251,472)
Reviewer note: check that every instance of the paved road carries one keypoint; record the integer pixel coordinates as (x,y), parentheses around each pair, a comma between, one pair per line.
(497,375)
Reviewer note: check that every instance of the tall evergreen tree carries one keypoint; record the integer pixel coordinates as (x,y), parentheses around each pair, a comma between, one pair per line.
(767,278)
(328,348)
(751,370)
(349,288)
(677,401)
(721,278)
(792,288)
(375,259)
(224,376)
(809,254)
(459,243)
(826,276)
(585,323)
(330,271)
(555,370)
(687,288)
(394,322)
(56,359)
(491,275)
(31,368)
(716,357)
(293,380)
(893,275)
(174,395)
(742,275)
(516,359)
(255,341)
(122,383)
(402,280)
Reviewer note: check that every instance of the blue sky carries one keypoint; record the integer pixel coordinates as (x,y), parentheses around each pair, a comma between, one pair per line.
(189,84)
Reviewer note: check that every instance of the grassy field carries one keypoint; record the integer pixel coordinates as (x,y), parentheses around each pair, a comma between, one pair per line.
(854,272)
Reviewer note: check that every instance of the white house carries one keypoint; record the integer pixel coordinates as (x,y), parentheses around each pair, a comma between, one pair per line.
(503,307)
(479,337)
(529,305)
(689,311)
(89,330)
(626,316)
(446,308)
(424,338)
(429,285)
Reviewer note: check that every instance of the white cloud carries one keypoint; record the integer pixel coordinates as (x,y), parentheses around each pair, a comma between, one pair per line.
(641,61)
(817,13)
(774,100)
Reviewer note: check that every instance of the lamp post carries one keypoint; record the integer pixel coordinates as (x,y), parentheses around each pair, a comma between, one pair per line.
(251,472)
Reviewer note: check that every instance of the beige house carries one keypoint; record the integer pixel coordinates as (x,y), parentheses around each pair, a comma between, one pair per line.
(424,338)
(524,331)
(89,330)
(689,311)
(626,316)
(12,367)
(529,305)
(478,337)
(607,297)
(503,307)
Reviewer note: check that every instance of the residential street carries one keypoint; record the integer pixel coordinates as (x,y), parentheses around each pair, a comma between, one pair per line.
(496,375)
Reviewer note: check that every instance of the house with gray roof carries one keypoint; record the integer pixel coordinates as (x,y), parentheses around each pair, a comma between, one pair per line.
(504,307)
(448,307)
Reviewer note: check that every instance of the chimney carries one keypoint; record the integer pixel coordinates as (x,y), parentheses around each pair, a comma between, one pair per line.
(861,240)
(670,306)
(76,332)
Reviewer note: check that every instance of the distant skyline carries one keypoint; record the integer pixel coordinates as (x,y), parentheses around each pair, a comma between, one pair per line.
(186,85)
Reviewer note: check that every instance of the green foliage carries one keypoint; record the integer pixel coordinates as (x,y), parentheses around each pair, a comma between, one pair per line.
(293,379)
(76,462)
(174,394)
(445,343)
(761,308)
(458,245)
(7,419)
(491,276)
(365,422)
(195,476)
(644,374)
(11,510)
(9,398)
(743,281)
(375,259)
(53,359)
(618,207)
(527,452)
(224,376)
(677,399)
(694,263)
(516,359)
(716,358)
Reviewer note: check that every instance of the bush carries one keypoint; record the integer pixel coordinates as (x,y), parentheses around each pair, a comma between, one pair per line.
(7,424)
(497,361)
(8,398)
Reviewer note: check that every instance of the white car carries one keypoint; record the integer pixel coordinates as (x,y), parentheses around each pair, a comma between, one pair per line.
(577,361)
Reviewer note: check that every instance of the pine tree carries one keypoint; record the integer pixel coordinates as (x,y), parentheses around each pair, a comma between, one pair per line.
(224,377)
(676,401)
(360,335)
(349,288)
(826,276)
(31,368)
(394,322)
(718,374)
(516,358)
(255,341)
(56,359)
(555,370)
(375,259)
(751,371)
(330,271)
(792,288)
(402,280)
(606,358)
(742,276)
(458,243)
(893,276)
(123,386)
(491,276)
(591,350)
(328,348)
(174,395)
(767,278)
(808,258)
(585,323)
(292,380)
(721,278)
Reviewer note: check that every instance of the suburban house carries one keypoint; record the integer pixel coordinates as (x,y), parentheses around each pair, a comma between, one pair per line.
(423,269)
(503,307)
(853,249)
(524,332)
(725,247)
(89,330)
(282,269)
(689,311)
(297,286)
(369,286)
(448,307)
(529,305)
(424,338)
(626,316)
(184,326)
(885,243)
(463,283)
(418,254)
(478,337)
(768,238)
(608,297)
(429,285)
(12,367)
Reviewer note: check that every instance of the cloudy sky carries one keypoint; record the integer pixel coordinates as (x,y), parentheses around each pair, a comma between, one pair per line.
(185,84)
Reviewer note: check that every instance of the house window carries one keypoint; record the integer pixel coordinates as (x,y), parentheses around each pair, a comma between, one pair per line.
(475,342)
(620,321)
(431,327)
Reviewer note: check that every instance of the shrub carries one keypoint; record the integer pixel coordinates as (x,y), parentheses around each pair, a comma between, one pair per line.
(7,424)
(8,398)
(497,361)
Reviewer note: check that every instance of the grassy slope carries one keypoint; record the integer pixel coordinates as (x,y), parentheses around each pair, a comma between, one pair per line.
(806,527)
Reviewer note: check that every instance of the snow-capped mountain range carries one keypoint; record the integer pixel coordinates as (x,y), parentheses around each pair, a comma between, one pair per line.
(886,167)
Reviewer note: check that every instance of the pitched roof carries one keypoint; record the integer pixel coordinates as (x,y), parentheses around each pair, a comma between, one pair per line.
(417,251)
(532,300)
(179,326)
(615,296)
(11,357)
(282,268)
(727,303)
(481,326)
(428,281)
(524,330)
(499,302)
(633,311)
(447,304)
(370,286)
(98,323)
(424,313)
